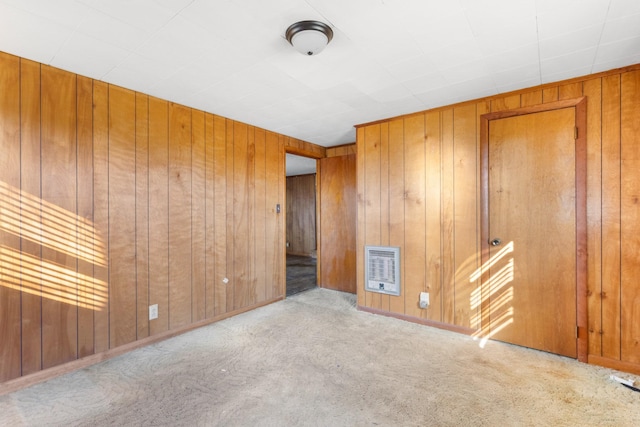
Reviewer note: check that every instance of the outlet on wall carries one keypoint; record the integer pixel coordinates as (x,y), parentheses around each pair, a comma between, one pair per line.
(153,311)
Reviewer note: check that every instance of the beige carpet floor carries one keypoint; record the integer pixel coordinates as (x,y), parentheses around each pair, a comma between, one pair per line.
(314,360)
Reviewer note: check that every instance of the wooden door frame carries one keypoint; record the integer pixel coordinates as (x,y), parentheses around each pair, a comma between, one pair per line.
(580,105)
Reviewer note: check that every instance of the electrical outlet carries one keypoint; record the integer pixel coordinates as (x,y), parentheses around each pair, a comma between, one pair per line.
(153,311)
(424,299)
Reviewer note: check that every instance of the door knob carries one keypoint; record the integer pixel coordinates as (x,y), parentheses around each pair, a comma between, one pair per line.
(495,242)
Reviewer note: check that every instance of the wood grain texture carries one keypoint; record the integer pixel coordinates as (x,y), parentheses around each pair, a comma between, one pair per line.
(630,222)
(10,274)
(301,215)
(142,215)
(373,201)
(611,231)
(220,220)
(85,230)
(338,219)
(122,219)
(159,213)
(593,92)
(101,210)
(198,216)
(30,207)
(397,226)
(113,201)
(433,236)
(466,254)
(59,200)
(180,226)
(447,213)
(360,212)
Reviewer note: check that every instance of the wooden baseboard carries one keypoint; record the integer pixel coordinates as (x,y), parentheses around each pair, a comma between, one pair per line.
(56,371)
(618,365)
(427,322)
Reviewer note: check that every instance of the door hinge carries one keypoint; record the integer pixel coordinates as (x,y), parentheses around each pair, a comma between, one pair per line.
(575,132)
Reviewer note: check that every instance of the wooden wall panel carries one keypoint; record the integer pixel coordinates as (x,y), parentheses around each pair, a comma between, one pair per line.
(159,213)
(630,214)
(210,229)
(90,295)
(593,92)
(10,325)
(396,203)
(111,201)
(611,236)
(59,220)
(415,212)
(220,220)
(466,248)
(452,174)
(31,243)
(180,225)
(101,213)
(242,204)
(301,215)
(198,216)
(122,219)
(372,225)
(261,214)
(142,215)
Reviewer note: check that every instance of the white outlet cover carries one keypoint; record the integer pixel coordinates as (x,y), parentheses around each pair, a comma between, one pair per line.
(153,311)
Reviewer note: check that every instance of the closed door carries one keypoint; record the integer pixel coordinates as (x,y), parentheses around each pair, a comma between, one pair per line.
(532,225)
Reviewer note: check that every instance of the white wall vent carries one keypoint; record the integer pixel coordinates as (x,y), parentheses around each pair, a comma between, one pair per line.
(382,269)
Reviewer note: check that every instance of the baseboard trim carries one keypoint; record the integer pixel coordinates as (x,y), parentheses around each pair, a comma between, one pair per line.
(618,365)
(421,321)
(56,371)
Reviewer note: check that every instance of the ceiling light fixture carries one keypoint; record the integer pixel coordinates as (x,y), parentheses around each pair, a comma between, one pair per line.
(309,37)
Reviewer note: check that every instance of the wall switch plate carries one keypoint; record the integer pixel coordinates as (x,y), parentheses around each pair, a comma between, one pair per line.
(153,311)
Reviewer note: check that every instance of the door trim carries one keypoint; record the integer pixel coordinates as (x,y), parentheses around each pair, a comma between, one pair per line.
(580,105)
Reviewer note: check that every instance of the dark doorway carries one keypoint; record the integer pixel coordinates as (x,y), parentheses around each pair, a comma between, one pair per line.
(301,273)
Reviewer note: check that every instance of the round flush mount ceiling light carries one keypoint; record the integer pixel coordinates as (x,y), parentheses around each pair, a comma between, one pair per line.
(309,37)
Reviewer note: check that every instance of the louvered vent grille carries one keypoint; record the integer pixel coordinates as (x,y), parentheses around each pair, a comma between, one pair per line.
(382,269)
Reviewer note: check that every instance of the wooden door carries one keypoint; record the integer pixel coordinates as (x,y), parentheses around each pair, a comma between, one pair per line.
(534,230)
(338,223)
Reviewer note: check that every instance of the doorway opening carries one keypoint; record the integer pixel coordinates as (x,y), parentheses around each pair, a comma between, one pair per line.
(301,224)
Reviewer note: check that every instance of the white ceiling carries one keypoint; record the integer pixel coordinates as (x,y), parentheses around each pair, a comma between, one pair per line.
(298,165)
(387,57)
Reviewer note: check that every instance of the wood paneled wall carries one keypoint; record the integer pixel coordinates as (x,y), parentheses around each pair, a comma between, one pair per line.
(112,200)
(301,215)
(419,188)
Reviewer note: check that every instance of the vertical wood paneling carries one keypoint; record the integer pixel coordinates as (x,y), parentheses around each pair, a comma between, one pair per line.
(59,163)
(112,200)
(230,221)
(210,229)
(142,214)
(10,222)
(447,217)
(179,216)
(242,212)
(396,203)
(260,219)
(549,94)
(506,103)
(220,224)
(630,218)
(415,214)
(86,237)
(611,236)
(467,258)
(198,216)
(159,213)
(272,198)
(570,91)
(301,215)
(593,92)
(31,244)
(122,219)
(101,210)
(373,199)
(528,99)
(384,198)
(433,236)
(361,205)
